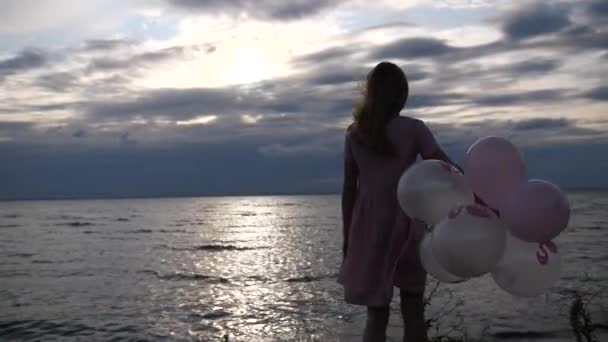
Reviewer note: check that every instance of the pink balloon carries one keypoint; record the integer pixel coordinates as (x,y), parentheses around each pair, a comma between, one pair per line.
(495,168)
(537,212)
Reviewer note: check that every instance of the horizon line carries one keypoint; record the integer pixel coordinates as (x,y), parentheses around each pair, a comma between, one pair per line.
(261,194)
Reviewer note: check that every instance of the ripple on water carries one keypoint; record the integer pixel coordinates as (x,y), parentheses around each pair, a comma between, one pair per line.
(308,278)
(177,276)
(210,248)
(34,329)
(521,335)
(20,255)
(75,224)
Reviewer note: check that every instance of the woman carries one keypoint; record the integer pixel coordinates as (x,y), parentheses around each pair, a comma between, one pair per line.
(380,241)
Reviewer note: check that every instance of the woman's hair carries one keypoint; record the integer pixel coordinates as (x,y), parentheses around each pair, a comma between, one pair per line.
(384,95)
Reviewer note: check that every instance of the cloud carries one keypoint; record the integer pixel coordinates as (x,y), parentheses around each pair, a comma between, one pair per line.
(81,133)
(274,165)
(533,66)
(542,123)
(597,94)
(13,126)
(174,103)
(528,97)
(298,151)
(126,141)
(598,10)
(145,58)
(411,48)
(329,55)
(265,9)
(96,45)
(58,81)
(537,19)
(24,61)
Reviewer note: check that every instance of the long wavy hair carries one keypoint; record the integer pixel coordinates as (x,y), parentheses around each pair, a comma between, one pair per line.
(384,95)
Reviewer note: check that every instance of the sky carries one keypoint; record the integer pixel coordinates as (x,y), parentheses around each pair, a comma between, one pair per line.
(141,98)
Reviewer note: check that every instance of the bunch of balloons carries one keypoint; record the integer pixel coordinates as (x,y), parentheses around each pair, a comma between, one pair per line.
(508,233)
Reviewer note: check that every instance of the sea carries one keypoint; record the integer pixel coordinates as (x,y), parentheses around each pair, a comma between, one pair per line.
(250,269)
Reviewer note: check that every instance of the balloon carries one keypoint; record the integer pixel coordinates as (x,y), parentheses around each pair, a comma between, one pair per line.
(470,241)
(494,168)
(537,212)
(431,265)
(428,190)
(527,269)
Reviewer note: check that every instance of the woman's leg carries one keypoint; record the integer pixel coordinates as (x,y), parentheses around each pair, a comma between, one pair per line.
(412,311)
(377,321)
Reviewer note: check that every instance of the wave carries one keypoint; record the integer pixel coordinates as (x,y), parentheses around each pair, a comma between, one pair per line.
(185,276)
(20,255)
(519,335)
(150,231)
(259,278)
(35,329)
(9,225)
(11,216)
(92,232)
(13,273)
(173,231)
(308,278)
(211,248)
(214,314)
(75,224)
(122,219)
(44,261)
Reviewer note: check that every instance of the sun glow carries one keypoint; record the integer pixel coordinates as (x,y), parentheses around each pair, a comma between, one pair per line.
(248,65)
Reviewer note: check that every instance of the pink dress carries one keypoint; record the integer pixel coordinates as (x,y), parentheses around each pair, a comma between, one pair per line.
(383,240)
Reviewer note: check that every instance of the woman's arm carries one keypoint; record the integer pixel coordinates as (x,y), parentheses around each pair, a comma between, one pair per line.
(430,149)
(349,192)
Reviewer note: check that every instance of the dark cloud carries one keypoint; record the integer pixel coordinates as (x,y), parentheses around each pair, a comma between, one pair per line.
(533,66)
(24,61)
(174,103)
(179,170)
(417,101)
(292,95)
(333,77)
(415,72)
(533,96)
(108,64)
(597,94)
(598,10)
(333,54)
(58,81)
(410,48)
(126,141)
(81,133)
(536,20)
(265,9)
(329,74)
(107,44)
(542,123)
(280,166)
(13,126)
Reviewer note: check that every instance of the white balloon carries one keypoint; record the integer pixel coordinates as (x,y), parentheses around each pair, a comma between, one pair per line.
(428,190)
(528,268)
(431,265)
(470,241)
